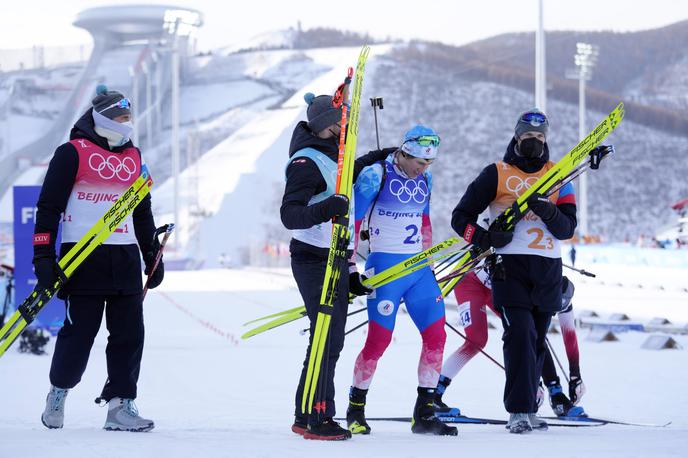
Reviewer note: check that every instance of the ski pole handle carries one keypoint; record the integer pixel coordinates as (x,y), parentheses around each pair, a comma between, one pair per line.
(376,102)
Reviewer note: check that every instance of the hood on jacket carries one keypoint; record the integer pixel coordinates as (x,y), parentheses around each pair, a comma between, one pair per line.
(303,137)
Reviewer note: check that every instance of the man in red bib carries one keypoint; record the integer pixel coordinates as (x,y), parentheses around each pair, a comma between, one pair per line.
(85,176)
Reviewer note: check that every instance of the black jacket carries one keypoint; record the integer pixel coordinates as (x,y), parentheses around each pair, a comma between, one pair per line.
(110,269)
(483,190)
(529,281)
(304,180)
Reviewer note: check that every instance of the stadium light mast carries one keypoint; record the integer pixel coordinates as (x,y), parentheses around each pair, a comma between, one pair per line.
(540,72)
(585,59)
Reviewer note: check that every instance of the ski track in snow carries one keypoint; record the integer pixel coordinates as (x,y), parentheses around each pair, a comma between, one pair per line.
(213,396)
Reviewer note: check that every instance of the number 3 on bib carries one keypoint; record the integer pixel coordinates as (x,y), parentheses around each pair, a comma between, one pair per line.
(537,242)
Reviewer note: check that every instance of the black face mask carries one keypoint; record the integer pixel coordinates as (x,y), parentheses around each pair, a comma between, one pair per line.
(531,148)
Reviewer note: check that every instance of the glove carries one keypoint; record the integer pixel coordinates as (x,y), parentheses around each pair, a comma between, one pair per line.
(46,270)
(495,238)
(159,273)
(335,205)
(486,239)
(356,286)
(598,153)
(540,396)
(542,206)
(576,389)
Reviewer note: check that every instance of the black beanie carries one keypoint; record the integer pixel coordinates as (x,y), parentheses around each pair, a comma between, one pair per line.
(532,121)
(106,103)
(321,112)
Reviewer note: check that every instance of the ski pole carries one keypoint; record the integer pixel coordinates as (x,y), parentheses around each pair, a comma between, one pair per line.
(376,102)
(580,271)
(304,331)
(556,358)
(466,339)
(355,328)
(167,230)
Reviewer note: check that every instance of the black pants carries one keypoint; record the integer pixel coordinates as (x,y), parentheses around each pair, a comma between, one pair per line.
(309,278)
(549,371)
(524,352)
(124,321)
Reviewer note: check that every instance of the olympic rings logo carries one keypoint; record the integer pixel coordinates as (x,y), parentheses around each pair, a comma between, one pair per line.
(409,189)
(112,167)
(517,185)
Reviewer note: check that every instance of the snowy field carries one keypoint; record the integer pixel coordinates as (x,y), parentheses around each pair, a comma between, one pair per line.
(214,395)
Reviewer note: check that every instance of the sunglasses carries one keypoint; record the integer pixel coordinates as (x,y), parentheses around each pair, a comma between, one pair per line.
(426,140)
(534,119)
(122,103)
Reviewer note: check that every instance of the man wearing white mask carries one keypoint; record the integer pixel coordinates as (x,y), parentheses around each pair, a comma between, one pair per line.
(85,176)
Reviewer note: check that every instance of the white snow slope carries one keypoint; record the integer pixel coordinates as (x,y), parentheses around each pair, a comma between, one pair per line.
(214,395)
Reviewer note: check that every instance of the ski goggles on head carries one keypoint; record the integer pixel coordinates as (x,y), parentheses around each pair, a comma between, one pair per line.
(426,140)
(124,104)
(418,150)
(534,119)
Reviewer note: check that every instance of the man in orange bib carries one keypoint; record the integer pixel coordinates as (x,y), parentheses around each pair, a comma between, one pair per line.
(529,292)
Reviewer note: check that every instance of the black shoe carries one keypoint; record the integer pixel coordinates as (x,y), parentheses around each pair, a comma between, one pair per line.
(328,430)
(355,413)
(424,420)
(299,426)
(561,405)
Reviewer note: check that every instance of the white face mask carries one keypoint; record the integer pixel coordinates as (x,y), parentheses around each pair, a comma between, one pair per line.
(116,133)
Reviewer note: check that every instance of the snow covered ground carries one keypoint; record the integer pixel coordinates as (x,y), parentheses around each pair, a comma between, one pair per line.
(214,395)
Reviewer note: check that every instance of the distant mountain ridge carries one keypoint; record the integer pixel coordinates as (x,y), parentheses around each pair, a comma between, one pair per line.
(648,70)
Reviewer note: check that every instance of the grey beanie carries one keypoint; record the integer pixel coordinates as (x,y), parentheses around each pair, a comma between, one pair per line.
(110,103)
(321,112)
(532,121)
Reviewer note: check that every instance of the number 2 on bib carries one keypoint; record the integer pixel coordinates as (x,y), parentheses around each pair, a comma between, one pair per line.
(412,239)
(537,241)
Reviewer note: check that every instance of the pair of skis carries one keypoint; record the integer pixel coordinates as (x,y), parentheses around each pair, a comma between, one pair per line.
(336,260)
(551,421)
(96,235)
(441,251)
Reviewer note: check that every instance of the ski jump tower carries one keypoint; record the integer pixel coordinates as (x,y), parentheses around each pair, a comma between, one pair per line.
(113,26)
(134,48)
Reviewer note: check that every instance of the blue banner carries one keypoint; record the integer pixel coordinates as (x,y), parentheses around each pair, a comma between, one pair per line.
(53,313)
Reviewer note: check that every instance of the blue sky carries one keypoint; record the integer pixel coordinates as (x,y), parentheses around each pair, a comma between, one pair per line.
(48,22)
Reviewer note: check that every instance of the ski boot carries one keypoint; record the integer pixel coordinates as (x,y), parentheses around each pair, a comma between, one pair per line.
(442,409)
(124,416)
(328,430)
(355,413)
(561,405)
(53,415)
(519,423)
(424,420)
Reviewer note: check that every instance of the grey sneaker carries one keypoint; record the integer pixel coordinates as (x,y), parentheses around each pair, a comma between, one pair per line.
(124,416)
(519,423)
(53,415)
(537,423)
